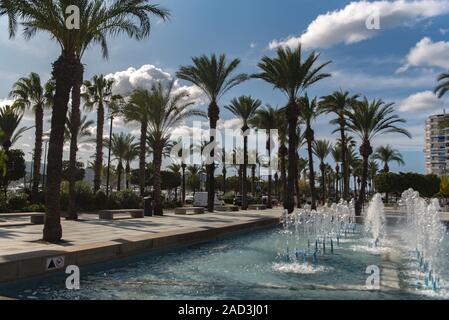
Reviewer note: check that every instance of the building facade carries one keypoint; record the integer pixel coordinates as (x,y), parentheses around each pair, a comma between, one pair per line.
(436,145)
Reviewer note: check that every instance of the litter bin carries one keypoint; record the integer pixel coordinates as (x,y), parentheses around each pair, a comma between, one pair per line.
(148,206)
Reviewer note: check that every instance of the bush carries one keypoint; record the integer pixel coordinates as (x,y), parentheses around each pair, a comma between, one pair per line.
(84,196)
(100,200)
(228,198)
(18,202)
(35,208)
(127,199)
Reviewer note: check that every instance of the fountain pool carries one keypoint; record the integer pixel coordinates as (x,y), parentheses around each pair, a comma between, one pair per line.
(249,266)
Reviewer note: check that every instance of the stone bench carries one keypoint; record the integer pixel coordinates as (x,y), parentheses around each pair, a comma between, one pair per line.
(191,210)
(257,207)
(227,208)
(109,214)
(35,217)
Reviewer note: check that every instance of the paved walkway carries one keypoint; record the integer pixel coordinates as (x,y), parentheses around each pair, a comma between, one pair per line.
(26,238)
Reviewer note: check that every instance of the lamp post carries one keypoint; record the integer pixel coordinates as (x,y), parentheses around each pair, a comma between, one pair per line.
(109,156)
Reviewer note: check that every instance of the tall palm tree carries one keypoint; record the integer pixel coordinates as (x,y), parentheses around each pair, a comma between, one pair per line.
(368,120)
(175,168)
(215,77)
(193,173)
(10,118)
(338,158)
(119,146)
(131,154)
(322,149)
(98,20)
(373,168)
(443,86)
(266,119)
(338,103)
(308,111)
(29,93)
(291,74)
(167,110)
(82,131)
(98,94)
(244,108)
(387,154)
(281,121)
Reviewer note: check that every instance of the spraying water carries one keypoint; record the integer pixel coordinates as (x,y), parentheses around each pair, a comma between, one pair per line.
(425,233)
(375,220)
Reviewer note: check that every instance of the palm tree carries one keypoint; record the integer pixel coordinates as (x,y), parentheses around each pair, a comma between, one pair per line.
(443,87)
(166,110)
(373,168)
(10,118)
(266,119)
(131,154)
(215,77)
(82,131)
(308,111)
(175,168)
(368,120)
(338,104)
(29,93)
(338,158)
(119,146)
(98,21)
(291,74)
(387,154)
(322,149)
(193,172)
(98,93)
(244,108)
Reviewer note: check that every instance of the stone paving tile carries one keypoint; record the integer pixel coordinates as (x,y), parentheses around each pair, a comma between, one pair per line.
(25,238)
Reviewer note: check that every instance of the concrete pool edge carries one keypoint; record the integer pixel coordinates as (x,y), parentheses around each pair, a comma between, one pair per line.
(33,264)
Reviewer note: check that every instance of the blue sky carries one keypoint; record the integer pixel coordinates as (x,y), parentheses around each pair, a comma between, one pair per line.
(399,62)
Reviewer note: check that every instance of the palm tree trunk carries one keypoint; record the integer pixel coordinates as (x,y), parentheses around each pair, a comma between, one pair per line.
(292,114)
(244,169)
(345,165)
(365,151)
(214,116)
(183,167)
(142,157)
(108,175)
(224,178)
(128,174)
(282,154)
(119,176)
(39,119)
(158,210)
(99,146)
(270,179)
(337,182)
(323,183)
(253,180)
(75,127)
(66,71)
(309,138)
(298,202)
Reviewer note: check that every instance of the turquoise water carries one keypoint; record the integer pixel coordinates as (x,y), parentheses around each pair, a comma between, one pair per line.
(250,266)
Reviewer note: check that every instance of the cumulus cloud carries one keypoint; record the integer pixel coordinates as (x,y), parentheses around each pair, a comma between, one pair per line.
(145,77)
(349,25)
(427,53)
(420,101)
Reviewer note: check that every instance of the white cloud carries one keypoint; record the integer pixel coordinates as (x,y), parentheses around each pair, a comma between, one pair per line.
(420,101)
(427,53)
(229,124)
(349,25)
(145,77)
(5,102)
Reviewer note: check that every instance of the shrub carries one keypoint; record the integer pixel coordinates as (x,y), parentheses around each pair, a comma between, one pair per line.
(35,208)
(18,202)
(228,198)
(100,200)
(84,196)
(127,199)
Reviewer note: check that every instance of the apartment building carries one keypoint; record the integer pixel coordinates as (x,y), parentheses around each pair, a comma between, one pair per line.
(436,145)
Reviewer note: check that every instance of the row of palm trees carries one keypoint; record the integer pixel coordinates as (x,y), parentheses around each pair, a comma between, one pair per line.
(160,109)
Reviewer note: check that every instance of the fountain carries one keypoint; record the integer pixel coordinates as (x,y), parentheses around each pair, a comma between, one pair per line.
(425,233)
(375,220)
(310,233)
